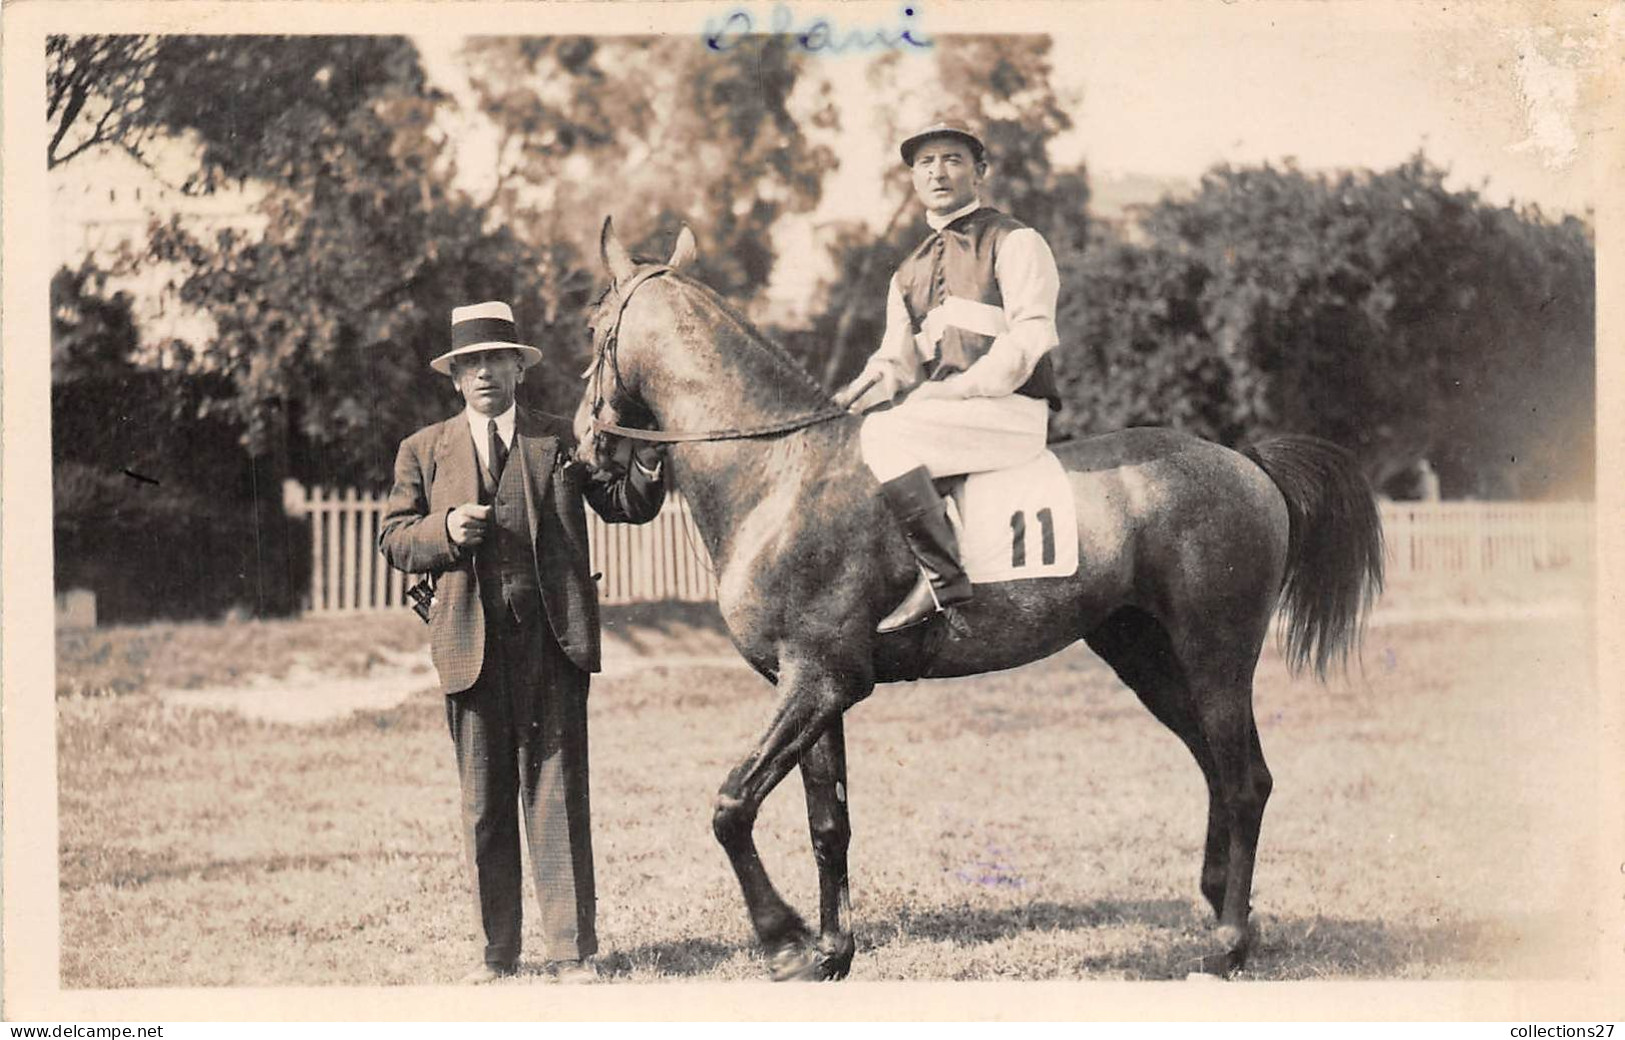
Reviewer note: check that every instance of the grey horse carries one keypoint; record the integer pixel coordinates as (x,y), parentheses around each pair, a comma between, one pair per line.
(1187,549)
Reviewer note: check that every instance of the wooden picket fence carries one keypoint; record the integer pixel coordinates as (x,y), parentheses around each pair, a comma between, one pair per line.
(660,560)
(664,559)
(1455,538)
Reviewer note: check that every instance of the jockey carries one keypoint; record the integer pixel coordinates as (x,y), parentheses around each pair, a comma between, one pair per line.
(970,321)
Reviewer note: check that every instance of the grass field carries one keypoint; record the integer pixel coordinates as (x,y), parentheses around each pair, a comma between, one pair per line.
(1430,816)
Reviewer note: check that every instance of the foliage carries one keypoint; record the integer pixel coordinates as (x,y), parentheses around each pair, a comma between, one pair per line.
(110,407)
(1380,310)
(682,134)
(324,323)
(94,94)
(155,505)
(1134,350)
(238,98)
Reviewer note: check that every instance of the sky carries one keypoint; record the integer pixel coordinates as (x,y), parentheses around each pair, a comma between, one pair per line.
(1336,90)
(1331,85)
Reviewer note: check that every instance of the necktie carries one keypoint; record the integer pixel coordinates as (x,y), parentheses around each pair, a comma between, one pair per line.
(497,454)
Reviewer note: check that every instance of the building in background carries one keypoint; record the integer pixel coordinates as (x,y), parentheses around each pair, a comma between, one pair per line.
(103,206)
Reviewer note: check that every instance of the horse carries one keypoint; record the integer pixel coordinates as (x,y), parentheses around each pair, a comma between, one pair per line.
(1186,550)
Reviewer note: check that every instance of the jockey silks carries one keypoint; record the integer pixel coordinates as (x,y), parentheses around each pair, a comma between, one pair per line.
(954,305)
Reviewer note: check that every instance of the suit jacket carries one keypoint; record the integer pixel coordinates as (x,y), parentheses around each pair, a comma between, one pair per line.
(436,470)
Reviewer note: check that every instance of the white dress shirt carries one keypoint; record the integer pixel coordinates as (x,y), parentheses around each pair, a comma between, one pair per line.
(480,425)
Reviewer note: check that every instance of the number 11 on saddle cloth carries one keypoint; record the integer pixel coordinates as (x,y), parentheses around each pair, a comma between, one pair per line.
(1016,523)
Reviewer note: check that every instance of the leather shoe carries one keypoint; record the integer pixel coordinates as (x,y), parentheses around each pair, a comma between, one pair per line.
(487,973)
(573,972)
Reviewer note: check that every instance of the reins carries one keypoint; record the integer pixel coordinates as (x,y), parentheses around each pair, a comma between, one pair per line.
(608,353)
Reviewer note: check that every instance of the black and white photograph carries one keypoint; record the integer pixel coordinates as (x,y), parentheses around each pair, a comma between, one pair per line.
(564,511)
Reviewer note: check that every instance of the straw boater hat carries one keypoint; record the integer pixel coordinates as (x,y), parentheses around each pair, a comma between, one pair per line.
(943,128)
(484,326)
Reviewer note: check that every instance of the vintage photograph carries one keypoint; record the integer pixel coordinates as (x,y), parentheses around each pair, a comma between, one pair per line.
(564,499)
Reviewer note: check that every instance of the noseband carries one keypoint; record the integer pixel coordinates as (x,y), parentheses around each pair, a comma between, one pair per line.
(605,357)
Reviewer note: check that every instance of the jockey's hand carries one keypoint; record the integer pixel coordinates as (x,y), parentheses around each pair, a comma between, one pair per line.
(468,523)
(868,391)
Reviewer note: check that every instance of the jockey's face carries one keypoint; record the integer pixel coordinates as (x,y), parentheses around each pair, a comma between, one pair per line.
(946,174)
(487,379)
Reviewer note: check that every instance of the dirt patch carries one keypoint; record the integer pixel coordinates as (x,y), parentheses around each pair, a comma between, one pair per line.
(306,694)
(638,638)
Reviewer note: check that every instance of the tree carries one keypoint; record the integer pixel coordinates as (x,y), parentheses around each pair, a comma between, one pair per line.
(326,322)
(228,95)
(322,325)
(682,133)
(333,307)
(94,93)
(1135,350)
(1380,310)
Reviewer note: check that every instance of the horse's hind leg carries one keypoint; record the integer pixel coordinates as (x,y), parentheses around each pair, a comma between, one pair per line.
(823,774)
(1223,689)
(1199,684)
(1138,649)
(1227,721)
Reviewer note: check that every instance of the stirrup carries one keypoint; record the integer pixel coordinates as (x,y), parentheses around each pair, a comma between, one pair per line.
(917,607)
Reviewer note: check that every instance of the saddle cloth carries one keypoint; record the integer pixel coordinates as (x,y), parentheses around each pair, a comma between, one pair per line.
(1017,523)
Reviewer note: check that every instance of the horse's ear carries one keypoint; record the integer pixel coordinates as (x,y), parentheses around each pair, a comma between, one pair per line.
(617,261)
(685,251)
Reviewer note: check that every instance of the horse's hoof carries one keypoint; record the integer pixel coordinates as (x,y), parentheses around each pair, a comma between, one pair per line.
(1222,965)
(1232,957)
(806,962)
(798,963)
(837,958)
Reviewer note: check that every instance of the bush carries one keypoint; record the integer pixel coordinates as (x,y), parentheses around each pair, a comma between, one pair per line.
(152,551)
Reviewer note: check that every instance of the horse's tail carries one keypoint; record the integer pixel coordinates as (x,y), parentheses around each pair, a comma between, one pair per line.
(1334,555)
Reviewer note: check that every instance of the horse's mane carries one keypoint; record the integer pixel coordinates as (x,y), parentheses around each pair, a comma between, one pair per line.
(750,332)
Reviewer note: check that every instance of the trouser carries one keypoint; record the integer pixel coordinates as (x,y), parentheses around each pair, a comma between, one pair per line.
(950,437)
(520,734)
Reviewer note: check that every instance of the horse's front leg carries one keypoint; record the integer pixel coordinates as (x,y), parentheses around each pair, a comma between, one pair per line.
(811,698)
(823,774)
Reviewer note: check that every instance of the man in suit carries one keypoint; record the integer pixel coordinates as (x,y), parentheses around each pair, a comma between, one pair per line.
(489,502)
(970,323)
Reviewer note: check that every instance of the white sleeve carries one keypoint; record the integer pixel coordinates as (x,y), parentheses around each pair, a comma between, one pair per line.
(1030,285)
(896,362)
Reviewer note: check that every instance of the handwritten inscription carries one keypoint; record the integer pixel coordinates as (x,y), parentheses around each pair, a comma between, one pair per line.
(817,35)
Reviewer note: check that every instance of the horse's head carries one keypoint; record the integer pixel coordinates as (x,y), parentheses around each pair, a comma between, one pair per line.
(611,393)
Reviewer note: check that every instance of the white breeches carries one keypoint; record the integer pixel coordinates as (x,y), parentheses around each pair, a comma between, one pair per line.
(949,437)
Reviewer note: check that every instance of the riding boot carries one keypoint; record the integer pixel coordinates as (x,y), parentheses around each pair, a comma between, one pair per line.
(914,501)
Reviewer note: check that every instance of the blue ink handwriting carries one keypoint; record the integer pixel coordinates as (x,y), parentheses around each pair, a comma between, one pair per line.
(819,35)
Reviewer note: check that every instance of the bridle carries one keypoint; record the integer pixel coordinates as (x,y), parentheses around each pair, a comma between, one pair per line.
(605,359)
